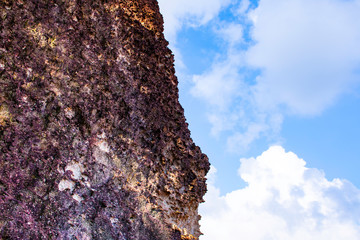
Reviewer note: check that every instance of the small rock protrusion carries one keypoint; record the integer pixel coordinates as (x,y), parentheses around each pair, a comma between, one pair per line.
(66,185)
(69,113)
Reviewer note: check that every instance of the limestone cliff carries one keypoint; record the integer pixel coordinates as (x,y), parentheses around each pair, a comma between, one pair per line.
(93,140)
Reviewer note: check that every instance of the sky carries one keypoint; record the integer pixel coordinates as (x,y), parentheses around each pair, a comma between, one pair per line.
(271,92)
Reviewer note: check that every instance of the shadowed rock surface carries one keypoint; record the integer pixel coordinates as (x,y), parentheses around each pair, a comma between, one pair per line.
(93,140)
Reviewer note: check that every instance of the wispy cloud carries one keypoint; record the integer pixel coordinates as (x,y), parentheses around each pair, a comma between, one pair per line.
(221,85)
(179,14)
(283,200)
(296,58)
(308,52)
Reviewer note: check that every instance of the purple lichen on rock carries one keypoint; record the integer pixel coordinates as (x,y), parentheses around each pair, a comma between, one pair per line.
(93,140)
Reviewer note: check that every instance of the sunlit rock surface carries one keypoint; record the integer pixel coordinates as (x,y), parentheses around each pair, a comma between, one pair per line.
(93,140)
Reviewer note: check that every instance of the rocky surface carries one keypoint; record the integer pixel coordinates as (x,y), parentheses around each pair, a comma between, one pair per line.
(93,140)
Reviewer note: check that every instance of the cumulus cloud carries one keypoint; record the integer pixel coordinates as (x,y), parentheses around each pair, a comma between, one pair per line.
(298,58)
(283,200)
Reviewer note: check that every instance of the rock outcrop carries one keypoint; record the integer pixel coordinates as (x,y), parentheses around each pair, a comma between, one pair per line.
(93,140)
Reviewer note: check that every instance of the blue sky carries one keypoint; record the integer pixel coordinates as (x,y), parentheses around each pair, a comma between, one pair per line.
(271,91)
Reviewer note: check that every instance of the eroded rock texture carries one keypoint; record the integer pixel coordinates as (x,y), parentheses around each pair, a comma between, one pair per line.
(93,140)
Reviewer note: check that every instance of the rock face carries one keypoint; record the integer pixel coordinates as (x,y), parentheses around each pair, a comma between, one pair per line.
(93,140)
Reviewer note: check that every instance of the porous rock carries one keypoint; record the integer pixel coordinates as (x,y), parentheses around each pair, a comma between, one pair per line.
(93,140)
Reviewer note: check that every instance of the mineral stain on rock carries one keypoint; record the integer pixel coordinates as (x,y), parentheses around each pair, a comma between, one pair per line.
(93,140)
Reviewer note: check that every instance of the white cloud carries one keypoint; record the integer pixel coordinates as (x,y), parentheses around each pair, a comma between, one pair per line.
(242,140)
(283,200)
(232,33)
(222,122)
(308,51)
(308,55)
(243,7)
(178,13)
(221,85)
